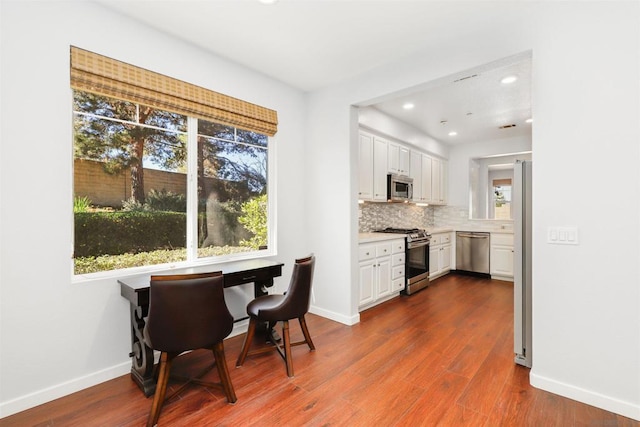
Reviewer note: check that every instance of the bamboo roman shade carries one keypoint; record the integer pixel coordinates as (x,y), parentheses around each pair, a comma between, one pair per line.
(102,75)
(504,181)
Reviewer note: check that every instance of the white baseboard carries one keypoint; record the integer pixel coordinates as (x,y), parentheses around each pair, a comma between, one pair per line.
(60,390)
(503,278)
(627,409)
(48,394)
(335,316)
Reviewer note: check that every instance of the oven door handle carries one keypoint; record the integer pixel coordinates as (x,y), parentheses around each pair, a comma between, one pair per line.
(413,245)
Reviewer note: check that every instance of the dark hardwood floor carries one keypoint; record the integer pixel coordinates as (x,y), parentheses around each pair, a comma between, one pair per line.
(443,356)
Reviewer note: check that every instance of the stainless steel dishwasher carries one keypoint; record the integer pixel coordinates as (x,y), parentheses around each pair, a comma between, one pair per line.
(472,252)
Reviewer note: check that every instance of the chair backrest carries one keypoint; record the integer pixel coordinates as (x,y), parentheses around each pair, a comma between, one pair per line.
(297,299)
(187,312)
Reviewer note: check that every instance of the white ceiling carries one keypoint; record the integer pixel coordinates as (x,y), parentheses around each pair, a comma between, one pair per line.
(310,44)
(474,104)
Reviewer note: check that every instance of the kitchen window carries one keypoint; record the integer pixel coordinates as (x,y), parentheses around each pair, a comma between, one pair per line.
(502,198)
(157,186)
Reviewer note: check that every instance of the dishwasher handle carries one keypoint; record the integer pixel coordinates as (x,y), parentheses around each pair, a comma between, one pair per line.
(475,236)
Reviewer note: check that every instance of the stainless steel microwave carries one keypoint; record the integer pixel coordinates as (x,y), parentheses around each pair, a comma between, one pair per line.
(399,188)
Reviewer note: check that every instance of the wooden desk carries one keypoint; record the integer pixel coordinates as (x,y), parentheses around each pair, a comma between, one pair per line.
(136,289)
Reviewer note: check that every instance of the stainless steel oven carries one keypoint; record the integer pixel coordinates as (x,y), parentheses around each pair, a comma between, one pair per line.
(417,258)
(417,270)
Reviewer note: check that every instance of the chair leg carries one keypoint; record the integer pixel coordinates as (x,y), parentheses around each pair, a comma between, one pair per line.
(287,347)
(248,339)
(223,372)
(161,388)
(305,332)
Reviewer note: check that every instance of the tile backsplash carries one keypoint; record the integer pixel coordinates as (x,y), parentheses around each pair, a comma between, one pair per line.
(375,216)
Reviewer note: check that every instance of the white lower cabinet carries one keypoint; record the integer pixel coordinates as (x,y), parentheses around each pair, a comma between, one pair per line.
(440,255)
(381,271)
(501,257)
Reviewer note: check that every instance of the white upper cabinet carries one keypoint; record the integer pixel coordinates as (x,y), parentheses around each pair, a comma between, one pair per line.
(372,165)
(444,182)
(398,159)
(379,157)
(421,174)
(435,181)
(365,167)
(439,181)
(429,179)
(379,169)
(416,174)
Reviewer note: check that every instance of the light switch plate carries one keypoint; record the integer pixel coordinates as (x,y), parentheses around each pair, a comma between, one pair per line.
(562,235)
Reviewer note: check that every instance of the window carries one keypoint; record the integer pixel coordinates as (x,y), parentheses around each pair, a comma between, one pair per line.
(502,198)
(137,201)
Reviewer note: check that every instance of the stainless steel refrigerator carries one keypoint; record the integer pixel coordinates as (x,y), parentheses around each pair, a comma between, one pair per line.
(521,200)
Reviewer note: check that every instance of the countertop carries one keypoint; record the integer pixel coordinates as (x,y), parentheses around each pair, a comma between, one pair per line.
(378,237)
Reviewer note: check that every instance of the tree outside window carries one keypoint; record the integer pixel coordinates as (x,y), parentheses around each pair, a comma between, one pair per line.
(131,173)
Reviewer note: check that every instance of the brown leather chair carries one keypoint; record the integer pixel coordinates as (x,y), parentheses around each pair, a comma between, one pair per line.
(187,312)
(294,304)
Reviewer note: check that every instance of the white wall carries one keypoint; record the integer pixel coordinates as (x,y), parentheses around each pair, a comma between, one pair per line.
(586,321)
(586,329)
(58,336)
(461,154)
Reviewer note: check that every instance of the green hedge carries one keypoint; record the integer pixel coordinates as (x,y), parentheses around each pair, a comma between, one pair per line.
(114,233)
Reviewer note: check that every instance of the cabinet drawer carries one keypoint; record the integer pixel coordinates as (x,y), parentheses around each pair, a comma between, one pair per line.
(397,272)
(383,249)
(398,284)
(397,246)
(445,238)
(397,259)
(436,239)
(502,239)
(366,252)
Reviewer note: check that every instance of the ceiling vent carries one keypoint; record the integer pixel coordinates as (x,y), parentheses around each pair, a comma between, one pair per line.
(465,78)
(512,125)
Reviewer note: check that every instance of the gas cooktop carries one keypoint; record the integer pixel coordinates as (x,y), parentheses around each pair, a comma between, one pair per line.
(399,230)
(413,234)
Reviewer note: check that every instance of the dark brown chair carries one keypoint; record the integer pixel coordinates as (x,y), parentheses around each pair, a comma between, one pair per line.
(187,312)
(294,304)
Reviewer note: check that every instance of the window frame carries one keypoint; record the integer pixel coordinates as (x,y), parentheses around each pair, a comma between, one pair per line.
(192,259)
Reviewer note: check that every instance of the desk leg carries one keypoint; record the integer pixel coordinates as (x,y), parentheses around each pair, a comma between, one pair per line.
(141,354)
(260,287)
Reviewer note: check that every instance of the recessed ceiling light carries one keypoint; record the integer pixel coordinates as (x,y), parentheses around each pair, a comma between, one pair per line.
(453,133)
(529,121)
(509,79)
(408,106)
(268,1)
